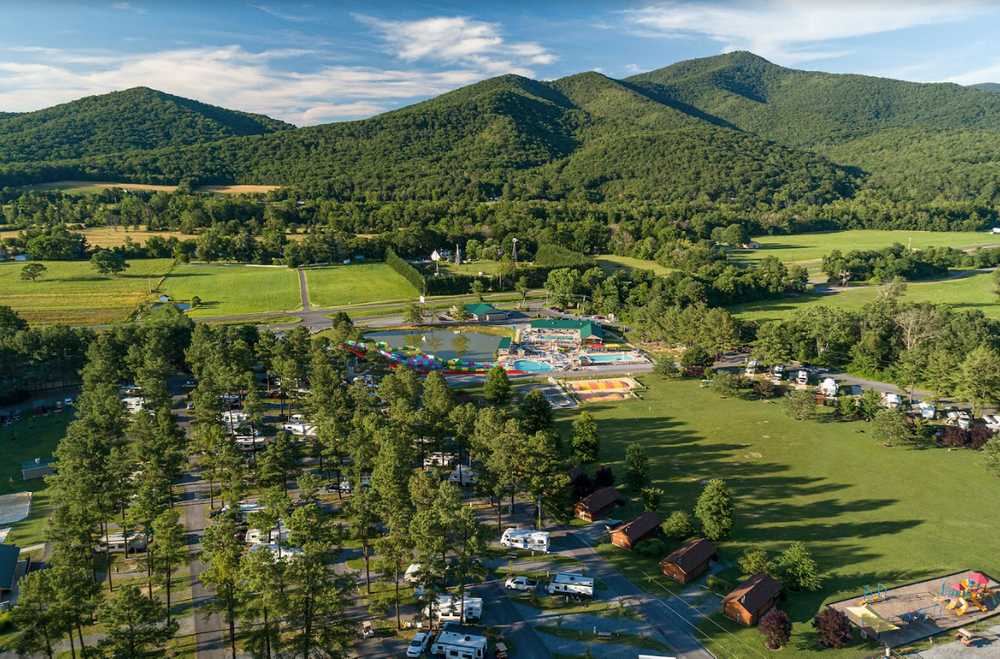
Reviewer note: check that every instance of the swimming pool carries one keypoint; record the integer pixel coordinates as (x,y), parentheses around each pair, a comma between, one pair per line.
(531,366)
(610,357)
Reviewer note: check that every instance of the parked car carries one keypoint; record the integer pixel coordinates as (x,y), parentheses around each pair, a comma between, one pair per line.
(418,646)
(521,583)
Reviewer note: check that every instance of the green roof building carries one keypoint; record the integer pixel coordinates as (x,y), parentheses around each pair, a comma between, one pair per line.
(588,330)
(484,311)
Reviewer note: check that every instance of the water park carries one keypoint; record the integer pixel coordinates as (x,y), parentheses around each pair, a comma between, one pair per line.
(545,346)
(905,614)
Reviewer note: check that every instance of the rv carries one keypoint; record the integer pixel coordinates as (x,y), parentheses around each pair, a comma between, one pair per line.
(259,536)
(245,509)
(992,421)
(279,552)
(463,476)
(802,377)
(525,539)
(571,583)
(132,403)
(457,644)
(438,459)
(412,574)
(927,410)
(751,369)
(115,543)
(891,401)
(298,426)
(777,374)
(450,609)
(829,387)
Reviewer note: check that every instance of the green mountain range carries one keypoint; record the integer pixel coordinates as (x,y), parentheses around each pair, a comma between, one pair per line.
(138,118)
(733,128)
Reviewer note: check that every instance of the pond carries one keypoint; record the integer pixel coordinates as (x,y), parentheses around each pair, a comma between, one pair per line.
(443,343)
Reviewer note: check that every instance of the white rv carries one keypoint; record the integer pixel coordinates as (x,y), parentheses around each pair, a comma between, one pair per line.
(802,377)
(115,543)
(279,552)
(751,368)
(298,426)
(447,608)
(412,574)
(459,645)
(463,476)
(777,374)
(259,536)
(571,583)
(525,539)
(439,459)
(829,387)
(132,403)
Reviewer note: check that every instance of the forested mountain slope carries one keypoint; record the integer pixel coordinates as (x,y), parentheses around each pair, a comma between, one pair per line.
(585,136)
(138,118)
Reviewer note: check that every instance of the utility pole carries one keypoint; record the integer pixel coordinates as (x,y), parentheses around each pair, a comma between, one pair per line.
(515,252)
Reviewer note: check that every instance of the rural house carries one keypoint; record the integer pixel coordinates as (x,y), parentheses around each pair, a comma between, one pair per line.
(751,599)
(689,561)
(595,505)
(37,468)
(483,311)
(631,533)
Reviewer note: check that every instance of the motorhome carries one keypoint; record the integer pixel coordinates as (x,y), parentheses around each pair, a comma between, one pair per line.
(115,543)
(777,373)
(448,608)
(439,459)
(927,410)
(802,377)
(458,644)
(571,583)
(751,368)
(525,539)
(412,574)
(463,476)
(259,536)
(829,387)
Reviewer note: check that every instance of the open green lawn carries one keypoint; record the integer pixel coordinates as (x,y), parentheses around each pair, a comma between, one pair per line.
(233,288)
(340,285)
(868,513)
(612,262)
(808,249)
(974,291)
(73,292)
(474,268)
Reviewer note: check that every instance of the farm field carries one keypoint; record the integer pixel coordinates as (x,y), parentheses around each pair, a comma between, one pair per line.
(72,292)
(115,237)
(612,262)
(91,187)
(975,291)
(808,249)
(340,285)
(233,288)
(869,514)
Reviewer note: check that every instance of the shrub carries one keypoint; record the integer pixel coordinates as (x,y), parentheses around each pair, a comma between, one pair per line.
(755,560)
(953,437)
(979,435)
(405,270)
(800,405)
(833,627)
(892,428)
(678,525)
(666,366)
(651,497)
(727,384)
(776,628)
(765,389)
(604,477)
(696,356)
(651,548)
(718,584)
(797,568)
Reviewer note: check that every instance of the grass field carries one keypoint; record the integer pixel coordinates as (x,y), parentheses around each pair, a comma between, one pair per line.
(73,292)
(869,514)
(92,187)
(808,249)
(336,286)
(612,262)
(115,237)
(474,268)
(965,292)
(234,289)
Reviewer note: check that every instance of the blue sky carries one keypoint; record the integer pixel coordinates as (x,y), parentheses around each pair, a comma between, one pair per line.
(316,62)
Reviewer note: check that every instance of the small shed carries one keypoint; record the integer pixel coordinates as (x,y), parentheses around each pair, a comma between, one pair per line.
(483,311)
(37,468)
(751,599)
(629,534)
(597,504)
(8,567)
(689,561)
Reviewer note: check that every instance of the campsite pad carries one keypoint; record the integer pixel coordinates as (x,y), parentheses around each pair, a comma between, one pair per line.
(923,599)
(14,507)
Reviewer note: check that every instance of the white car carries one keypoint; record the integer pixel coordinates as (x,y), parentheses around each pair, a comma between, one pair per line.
(520,583)
(418,645)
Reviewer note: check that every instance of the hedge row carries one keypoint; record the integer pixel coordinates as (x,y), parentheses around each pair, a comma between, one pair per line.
(557,256)
(405,270)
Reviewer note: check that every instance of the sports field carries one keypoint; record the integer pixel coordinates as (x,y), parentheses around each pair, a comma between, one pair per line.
(808,249)
(869,514)
(965,291)
(339,285)
(612,262)
(72,292)
(234,289)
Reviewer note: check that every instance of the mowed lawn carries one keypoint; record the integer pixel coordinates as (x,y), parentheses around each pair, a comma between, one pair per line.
(226,289)
(966,291)
(72,292)
(869,514)
(341,285)
(808,249)
(612,262)
(116,236)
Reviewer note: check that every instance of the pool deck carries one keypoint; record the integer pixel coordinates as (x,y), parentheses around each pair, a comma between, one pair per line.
(922,598)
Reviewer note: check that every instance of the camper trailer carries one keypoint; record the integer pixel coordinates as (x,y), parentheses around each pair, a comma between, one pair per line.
(927,410)
(777,373)
(298,426)
(829,387)
(463,476)
(802,377)
(456,644)
(571,583)
(751,369)
(115,543)
(447,608)
(260,536)
(891,401)
(525,539)
(438,459)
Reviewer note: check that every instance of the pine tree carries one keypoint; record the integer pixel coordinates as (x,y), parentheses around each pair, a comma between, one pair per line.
(262,590)
(714,510)
(585,440)
(133,623)
(636,466)
(222,552)
(797,568)
(497,389)
(168,550)
(37,615)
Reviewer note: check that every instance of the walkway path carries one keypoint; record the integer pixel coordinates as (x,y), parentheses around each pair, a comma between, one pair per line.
(304,291)
(988,646)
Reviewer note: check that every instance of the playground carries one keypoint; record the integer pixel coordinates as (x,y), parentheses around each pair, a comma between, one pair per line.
(905,614)
(601,391)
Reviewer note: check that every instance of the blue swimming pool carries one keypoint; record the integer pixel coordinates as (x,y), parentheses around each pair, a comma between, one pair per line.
(531,366)
(610,357)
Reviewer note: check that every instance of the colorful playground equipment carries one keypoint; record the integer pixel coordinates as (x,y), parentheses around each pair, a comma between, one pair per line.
(873,594)
(973,592)
(415,359)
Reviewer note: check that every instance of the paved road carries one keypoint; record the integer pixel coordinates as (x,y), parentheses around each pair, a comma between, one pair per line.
(304,291)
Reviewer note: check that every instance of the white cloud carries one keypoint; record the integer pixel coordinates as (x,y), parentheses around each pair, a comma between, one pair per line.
(462,41)
(633,68)
(279,12)
(791,31)
(989,73)
(127,6)
(228,76)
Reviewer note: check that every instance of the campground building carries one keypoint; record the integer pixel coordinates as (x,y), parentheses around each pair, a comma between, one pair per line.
(9,555)
(563,331)
(485,312)
(628,535)
(689,561)
(597,504)
(748,603)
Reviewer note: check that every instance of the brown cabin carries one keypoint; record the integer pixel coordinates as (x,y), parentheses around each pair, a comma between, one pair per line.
(595,505)
(689,561)
(627,535)
(751,599)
